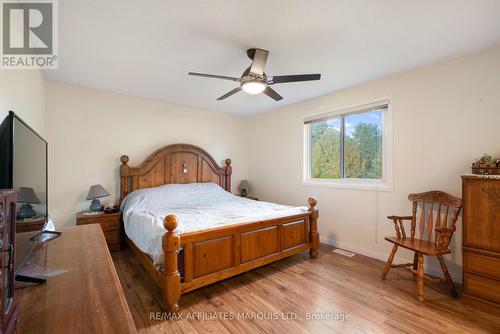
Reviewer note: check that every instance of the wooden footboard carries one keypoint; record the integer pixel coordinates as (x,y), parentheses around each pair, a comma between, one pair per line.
(215,254)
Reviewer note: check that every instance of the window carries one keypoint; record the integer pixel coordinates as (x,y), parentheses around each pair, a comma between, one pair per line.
(350,148)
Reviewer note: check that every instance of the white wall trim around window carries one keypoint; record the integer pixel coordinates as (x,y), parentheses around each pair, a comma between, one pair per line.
(387,181)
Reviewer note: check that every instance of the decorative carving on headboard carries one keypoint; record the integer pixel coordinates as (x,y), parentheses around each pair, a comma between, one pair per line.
(177,163)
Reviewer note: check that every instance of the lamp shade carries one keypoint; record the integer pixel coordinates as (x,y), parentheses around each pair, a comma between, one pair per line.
(97,191)
(27,195)
(244,185)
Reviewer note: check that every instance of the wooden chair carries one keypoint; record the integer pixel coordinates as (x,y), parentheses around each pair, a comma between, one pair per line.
(430,204)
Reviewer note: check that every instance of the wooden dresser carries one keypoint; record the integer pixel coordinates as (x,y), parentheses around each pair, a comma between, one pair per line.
(82,294)
(9,310)
(481,238)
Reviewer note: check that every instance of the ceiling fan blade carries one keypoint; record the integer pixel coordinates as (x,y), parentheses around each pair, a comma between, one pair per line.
(272,94)
(293,78)
(214,76)
(259,62)
(228,94)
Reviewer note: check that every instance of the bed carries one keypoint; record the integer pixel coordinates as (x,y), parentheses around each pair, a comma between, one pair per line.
(188,230)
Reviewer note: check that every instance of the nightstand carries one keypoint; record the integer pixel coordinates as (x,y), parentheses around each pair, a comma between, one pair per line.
(30,224)
(110,224)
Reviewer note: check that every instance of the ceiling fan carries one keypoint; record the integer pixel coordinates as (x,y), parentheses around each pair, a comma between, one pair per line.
(254,80)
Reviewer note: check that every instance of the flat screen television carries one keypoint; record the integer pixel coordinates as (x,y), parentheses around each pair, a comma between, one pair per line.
(23,166)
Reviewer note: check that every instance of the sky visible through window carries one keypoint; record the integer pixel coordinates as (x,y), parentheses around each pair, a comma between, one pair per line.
(374,117)
(362,146)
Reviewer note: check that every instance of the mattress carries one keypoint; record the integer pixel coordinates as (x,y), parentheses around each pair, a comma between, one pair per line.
(198,206)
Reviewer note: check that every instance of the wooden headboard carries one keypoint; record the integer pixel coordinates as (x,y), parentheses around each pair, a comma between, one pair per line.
(177,163)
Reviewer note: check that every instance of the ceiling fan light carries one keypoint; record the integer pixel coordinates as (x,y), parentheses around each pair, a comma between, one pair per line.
(253,87)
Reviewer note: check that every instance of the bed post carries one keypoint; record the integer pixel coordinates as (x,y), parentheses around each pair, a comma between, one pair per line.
(123,177)
(313,231)
(172,285)
(229,170)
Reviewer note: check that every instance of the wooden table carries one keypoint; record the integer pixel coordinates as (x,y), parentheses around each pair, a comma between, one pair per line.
(85,295)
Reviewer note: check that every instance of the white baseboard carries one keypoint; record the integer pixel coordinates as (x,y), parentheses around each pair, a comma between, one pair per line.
(456,277)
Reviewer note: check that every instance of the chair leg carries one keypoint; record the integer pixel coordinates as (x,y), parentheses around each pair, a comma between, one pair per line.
(415,261)
(389,262)
(420,277)
(451,286)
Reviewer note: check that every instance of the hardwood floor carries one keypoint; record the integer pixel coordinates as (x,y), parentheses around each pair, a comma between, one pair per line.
(296,288)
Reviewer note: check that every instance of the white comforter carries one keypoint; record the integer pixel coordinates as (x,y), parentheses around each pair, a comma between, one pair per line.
(198,206)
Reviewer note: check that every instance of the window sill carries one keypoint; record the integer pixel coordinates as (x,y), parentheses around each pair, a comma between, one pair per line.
(353,184)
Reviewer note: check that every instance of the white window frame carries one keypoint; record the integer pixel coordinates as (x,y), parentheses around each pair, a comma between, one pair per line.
(387,181)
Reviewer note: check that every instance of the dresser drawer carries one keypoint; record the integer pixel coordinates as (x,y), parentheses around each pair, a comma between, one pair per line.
(112,238)
(481,213)
(109,220)
(110,226)
(114,247)
(480,264)
(482,287)
(99,219)
(107,225)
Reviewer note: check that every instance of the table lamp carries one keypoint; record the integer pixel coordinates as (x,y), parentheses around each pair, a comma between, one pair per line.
(27,196)
(95,192)
(244,188)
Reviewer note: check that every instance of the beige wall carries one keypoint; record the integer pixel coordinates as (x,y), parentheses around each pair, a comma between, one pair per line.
(88,130)
(22,91)
(445,114)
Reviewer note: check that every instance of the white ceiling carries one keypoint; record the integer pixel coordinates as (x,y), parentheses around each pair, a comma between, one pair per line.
(145,48)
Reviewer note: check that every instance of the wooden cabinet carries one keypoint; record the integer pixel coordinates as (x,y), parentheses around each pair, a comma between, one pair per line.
(110,224)
(8,308)
(481,238)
